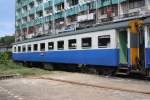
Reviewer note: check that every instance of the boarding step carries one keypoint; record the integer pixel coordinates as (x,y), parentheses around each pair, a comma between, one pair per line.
(137,74)
(123,71)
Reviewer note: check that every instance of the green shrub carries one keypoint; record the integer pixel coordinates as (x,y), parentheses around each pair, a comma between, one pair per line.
(4,57)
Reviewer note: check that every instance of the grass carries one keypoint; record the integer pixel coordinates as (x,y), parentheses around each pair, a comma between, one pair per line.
(13,68)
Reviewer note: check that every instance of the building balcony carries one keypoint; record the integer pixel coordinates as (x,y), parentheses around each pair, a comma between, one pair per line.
(39,8)
(48,18)
(18,6)
(29,36)
(50,31)
(18,17)
(26,2)
(39,21)
(143,11)
(32,11)
(24,25)
(56,2)
(48,4)
(83,7)
(72,11)
(60,14)
(25,14)
(90,16)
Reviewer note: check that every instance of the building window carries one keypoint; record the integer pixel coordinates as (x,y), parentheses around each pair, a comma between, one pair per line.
(29,48)
(35,47)
(103,41)
(50,45)
(42,47)
(72,44)
(24,48)
(19,48)
(60,45)
(87,42)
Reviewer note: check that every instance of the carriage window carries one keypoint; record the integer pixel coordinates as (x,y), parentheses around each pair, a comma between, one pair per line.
(24,48)
(103,41)
(60,45)
(14,49)
(87,42)
(50,45)
(19,48)
(72,44)
(29,48)
(35,47)
(42,47)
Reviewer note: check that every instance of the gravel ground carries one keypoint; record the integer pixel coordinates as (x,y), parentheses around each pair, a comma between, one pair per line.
(123,83)
(40,89)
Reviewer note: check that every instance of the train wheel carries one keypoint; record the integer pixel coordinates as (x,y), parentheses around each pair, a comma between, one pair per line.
(147,72)
(92,70)
(83,68)
(49,67)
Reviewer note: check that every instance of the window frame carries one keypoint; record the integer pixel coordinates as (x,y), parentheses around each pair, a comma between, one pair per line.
(19,49)
(86,47)
(103,37)
(15,49)
(29,46)
(34,47)
(42,49)
(58,43)
(24,48)
(72,47)
(52,48)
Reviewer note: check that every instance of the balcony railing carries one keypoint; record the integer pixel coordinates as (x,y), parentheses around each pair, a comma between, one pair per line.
(48,18)
(48,4)
(26,2)
(39,8)
(86,17)
(83,7)
(58,1)
(32,11)
(25,14)
(71,11)
(18,17)
(58,15)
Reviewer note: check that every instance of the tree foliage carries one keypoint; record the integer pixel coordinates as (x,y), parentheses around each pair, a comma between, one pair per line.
(7,39)
(5,57)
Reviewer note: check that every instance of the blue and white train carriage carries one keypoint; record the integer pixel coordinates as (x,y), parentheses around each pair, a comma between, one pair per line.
(110,45)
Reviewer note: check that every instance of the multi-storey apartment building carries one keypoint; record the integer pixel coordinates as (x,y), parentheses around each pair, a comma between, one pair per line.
(36,18)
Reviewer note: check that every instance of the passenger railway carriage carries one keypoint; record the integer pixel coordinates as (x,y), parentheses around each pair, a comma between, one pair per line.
(111,45)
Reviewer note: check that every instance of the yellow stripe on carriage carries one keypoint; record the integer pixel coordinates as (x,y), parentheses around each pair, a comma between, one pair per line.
(134,56)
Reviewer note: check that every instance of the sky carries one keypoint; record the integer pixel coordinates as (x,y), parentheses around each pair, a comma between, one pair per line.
(7,17)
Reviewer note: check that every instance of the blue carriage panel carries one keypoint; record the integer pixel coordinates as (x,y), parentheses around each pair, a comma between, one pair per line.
(106,57)
(147,56)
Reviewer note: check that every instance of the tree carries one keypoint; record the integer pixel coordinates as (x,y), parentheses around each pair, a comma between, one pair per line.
(7,40)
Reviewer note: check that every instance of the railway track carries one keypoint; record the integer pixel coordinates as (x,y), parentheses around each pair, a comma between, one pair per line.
(94,86)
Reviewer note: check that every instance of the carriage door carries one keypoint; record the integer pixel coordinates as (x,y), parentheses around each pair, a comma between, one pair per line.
(141,46)
(123,47)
